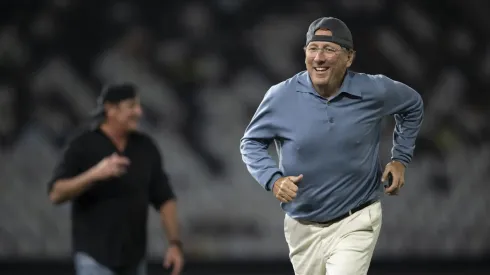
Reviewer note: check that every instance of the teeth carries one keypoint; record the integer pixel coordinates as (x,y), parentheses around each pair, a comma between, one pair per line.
(320,69)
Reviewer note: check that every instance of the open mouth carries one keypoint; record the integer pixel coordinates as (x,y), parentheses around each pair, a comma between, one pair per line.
(321,69)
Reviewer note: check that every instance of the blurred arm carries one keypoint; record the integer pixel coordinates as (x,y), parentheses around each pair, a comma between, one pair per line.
(68,182)
(162,197)
(170,220)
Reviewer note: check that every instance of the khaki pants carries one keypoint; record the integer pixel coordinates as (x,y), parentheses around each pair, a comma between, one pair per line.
(342,248)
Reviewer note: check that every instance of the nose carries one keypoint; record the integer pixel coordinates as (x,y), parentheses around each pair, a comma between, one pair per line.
(138,111)
(320,57)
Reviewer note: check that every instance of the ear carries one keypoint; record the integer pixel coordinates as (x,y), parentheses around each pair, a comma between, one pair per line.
(107,109)
(350,58)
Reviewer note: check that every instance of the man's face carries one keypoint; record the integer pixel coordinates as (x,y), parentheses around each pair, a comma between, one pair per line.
(126,114)
(326,62)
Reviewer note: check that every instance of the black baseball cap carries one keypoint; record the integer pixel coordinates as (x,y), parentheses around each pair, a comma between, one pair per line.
(114,94)
(341,34)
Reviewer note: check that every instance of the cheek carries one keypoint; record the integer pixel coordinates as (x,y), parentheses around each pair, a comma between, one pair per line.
(309,61)
(124,117)
(334,61)
(131,116)
(134,116)
(338,64)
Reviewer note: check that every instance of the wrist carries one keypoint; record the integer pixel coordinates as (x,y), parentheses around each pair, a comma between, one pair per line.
(272,181)
(176,243)
(93,175)
(399,161)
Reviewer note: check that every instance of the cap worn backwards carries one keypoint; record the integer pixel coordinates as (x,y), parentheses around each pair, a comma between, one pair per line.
(341,34)
(114,94)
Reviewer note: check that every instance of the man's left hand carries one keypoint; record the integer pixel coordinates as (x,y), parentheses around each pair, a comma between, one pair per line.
(175,259)
(397,170)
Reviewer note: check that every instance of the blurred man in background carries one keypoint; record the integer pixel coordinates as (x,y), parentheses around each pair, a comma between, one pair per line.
(326,123)
(111,173)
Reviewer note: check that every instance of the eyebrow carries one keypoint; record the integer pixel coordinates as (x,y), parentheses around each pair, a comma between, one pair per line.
(328,45)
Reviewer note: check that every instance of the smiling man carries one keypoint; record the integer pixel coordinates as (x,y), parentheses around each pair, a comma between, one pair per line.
(326,124)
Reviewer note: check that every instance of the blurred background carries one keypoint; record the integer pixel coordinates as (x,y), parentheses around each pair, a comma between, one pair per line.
(202,68)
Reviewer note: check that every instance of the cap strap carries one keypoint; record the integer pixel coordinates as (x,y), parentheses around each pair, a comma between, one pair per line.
(327,38)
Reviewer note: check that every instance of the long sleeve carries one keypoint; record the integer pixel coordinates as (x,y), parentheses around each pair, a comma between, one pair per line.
(407,107)
(259,134)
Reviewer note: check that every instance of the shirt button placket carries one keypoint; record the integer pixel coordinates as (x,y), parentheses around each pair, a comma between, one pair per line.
(329,118)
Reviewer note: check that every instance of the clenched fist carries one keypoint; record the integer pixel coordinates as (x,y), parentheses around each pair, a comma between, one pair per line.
(111,166)
(285,188)
(397,171)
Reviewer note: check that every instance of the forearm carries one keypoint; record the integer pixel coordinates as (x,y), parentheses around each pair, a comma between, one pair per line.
(259,163)
(170,221)
(403,146)
(407,127)
(407,107)
(263,129)
(66,189)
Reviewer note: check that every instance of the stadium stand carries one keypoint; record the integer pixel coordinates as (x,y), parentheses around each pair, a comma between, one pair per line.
(202,68)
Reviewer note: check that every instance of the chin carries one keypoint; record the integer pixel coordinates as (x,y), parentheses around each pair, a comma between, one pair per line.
(321,82)
(133,127)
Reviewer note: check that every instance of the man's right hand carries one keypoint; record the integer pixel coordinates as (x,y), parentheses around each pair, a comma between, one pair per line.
(285,188)
(111,166)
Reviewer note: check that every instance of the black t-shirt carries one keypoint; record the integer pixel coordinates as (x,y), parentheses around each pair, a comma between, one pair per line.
(109,220)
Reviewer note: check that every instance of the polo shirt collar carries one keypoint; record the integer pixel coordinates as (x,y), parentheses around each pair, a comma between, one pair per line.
(307,87)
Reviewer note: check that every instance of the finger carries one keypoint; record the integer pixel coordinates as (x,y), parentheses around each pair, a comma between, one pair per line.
(280,198)
(296,179)
(398,189)
(286,197)
(114,156)
(122,160)
(395,192)
(385,174)
(292,187)
(120,171)
(283,183)
(289,196)
(390,189)
(177,267)
(167,262)
(289,190)
(395,185)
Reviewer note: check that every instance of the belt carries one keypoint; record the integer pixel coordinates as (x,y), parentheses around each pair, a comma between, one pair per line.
(343,216)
